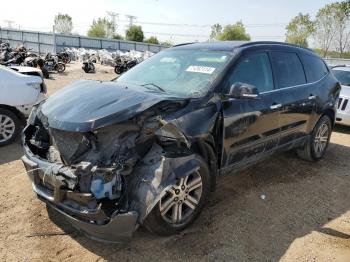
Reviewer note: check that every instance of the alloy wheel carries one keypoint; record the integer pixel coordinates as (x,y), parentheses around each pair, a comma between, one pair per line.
(7,128)
(321,138)
(179,202)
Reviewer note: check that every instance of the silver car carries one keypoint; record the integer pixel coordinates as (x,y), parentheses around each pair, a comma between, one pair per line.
(342,73)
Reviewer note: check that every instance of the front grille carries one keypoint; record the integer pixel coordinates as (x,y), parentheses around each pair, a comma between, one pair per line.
(343,103)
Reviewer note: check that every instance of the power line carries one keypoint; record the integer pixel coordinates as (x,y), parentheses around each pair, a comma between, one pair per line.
(131,19)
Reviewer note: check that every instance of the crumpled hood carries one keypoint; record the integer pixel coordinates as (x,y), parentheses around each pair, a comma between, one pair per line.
(87,105)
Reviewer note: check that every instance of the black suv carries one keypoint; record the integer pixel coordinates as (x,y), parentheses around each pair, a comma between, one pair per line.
(147,147)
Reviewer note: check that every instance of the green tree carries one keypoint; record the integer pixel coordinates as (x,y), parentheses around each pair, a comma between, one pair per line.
(152,40)
(341,24)
(135,33)
(101,28)
(167,43)
(117,36)
(216,30)
(299,29)
(63,23)
(325,28)
(234,32)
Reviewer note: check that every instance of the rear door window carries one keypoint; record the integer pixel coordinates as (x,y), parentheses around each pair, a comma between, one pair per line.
(288,69)
(315,68)
(255,70)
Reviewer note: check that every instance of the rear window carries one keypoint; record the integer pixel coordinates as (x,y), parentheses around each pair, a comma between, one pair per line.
(315,68)
(288,68)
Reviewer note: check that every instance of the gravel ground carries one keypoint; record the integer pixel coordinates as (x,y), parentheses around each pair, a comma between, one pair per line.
(283,209)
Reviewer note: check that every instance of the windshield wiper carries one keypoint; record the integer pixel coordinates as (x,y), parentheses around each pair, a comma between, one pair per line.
(152,84)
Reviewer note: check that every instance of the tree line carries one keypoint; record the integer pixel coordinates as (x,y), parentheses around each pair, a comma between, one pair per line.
(104,28)
(329,31)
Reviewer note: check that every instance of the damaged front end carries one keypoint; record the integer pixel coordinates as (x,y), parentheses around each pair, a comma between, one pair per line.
(106,180)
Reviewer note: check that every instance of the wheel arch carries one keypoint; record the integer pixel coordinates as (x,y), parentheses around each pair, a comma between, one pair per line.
(331,113)
(14,110)
(207,150)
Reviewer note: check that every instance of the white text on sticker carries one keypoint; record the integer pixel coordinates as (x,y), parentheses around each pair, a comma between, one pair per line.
(201,69)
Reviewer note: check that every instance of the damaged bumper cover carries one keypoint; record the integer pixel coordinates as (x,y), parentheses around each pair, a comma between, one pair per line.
(93,222)
(151,178)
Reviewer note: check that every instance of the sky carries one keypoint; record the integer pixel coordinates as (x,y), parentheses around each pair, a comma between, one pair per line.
(178,21)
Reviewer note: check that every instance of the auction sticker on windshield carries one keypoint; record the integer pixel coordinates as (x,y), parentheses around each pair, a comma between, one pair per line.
(201,69)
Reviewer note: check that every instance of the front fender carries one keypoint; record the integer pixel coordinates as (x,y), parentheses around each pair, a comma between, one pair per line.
(155,177)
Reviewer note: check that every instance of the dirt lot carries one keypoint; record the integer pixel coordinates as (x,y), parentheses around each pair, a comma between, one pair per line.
(305,215)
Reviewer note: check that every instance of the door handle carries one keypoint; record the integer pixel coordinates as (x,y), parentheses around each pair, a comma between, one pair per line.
(312,97)
(276,106)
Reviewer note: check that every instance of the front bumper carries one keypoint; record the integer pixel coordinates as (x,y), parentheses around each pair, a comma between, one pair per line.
(93,222)
(343,118)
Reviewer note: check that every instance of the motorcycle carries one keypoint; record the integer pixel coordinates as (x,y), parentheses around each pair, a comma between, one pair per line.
(51,63)
(124,65)
(88,67)
(64,57)
(15,58)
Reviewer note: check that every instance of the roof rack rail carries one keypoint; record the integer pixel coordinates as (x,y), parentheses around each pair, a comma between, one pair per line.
(337,66)
(189,43)
(273,43)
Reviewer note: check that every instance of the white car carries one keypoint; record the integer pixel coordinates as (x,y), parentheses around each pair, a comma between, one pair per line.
(20,89)
(342,73)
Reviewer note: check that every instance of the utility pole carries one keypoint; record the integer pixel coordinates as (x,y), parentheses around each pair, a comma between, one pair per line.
(113,16)
(54,40)
(9,23)
(131,19)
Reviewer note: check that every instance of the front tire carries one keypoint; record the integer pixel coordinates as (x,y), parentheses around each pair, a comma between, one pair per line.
(315,148)
(118,70)
(182,204)
(9,127)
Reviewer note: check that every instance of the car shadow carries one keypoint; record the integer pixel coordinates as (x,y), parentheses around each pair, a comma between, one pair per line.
(11,152)
(342,129)
(254,215)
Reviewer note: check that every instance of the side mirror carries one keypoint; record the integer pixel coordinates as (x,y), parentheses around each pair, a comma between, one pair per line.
(243,90)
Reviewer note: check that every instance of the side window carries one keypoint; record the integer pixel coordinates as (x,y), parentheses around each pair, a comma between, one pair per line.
(254,70)
(288,69)
(315,68)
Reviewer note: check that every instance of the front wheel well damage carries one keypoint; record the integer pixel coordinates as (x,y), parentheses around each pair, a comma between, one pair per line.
(207,152)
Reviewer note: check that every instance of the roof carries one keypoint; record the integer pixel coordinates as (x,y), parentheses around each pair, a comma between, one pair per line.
(231,45)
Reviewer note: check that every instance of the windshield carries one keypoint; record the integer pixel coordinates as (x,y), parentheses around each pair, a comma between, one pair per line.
(184,73)
(342,76)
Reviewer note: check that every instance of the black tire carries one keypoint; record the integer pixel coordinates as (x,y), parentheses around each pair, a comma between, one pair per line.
(17,125)
(311,152)
(118,70)
(60,67)
(46,73)
(156,224)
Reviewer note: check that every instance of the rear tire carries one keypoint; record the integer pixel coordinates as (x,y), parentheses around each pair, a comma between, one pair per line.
(162,223)
(9,127)
(61,67)
(316,146)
